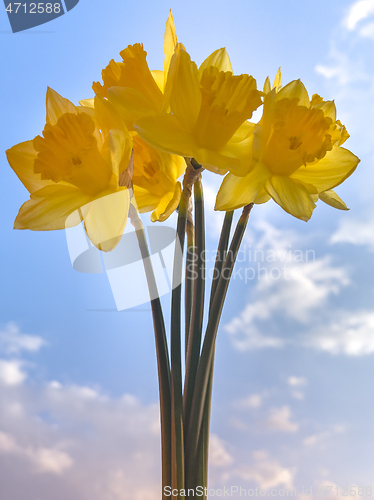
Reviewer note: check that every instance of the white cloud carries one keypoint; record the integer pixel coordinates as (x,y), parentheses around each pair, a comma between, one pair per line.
(218,454)
(343,68)
(252,401)
(52,460)
(238,424)
(13,342)
(322,438)
(329,490)
(316,438)
(358,11)
(7,443)
(102,448)
(349,334)
(296,381)
(280,420)
(299,395)
(122,487)
(367,31)
(356,232)
(266,473)
(263,235)
(302,288)
(11,372)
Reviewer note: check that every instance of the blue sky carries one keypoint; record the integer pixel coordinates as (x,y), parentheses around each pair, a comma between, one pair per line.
(293,397)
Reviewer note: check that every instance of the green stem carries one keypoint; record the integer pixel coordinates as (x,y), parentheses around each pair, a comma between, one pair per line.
(175,343)
(220,257)
(194,344)
(190,271)
(221,253)
(163,364)
(206,358)
(177,433)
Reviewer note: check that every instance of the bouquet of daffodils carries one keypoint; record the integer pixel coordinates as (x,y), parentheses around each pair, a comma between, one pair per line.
(142,145)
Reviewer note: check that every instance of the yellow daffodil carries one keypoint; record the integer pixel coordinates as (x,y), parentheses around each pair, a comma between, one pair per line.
(155,174)
(131,86)
(135,91)
(207,107)
(296,155)
(72,173)
(155,182)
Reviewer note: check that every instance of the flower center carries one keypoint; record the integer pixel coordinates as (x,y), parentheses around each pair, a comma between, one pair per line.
(68,152)
(150,168)
(227,101)
(299,136)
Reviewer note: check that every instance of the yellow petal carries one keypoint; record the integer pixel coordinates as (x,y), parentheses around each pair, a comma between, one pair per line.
(262,197)
(343,132)
(294,90)
(228,101)
(111,76)
(244,132)
(263,130)
(215,162)
(185,96)
(168,205)
(240,147)
(292,196)
(49,207)
(105,219)
(277,85)
(159,78)
(236,192)
(131,104)
(169,82)
(242,152)
(328,108)
(57,106)
(267,86)
(145,200)
(88,103)
(330,171)
(220,59)
(107,117)
(170,42)
(332,199)
(21,158)
(177,166)
(120,147)
(86,109)
(164,132)
(136,74)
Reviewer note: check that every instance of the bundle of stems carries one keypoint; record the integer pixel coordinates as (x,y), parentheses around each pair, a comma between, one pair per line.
(185,406)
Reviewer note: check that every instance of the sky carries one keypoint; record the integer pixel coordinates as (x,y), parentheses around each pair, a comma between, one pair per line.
(293,394)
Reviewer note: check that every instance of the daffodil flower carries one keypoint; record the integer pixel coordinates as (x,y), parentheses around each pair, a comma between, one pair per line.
(155,174)
(207,107)
(154,179)
(226,101)
(72,173)
(131,86)
(133,91)
(295,156)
